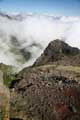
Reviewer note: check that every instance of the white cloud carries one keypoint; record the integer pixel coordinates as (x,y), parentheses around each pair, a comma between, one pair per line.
(38,30)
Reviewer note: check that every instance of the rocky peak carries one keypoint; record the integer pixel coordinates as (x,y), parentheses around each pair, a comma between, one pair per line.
(56,51)
(62,47)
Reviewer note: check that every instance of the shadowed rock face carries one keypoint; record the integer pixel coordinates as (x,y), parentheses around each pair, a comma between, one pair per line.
(47,92)
(59,52)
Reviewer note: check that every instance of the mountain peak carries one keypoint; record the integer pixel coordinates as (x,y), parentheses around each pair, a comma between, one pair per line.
(58,52)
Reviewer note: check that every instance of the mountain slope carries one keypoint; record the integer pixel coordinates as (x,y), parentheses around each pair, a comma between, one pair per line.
(47,92)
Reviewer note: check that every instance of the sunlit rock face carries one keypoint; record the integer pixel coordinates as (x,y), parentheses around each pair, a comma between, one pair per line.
(4,99)
(23,37)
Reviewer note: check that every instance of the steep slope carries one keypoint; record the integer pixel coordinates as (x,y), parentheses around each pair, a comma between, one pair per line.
(59,52)
(48,92)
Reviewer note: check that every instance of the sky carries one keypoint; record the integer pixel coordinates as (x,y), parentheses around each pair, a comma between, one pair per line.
(55,7)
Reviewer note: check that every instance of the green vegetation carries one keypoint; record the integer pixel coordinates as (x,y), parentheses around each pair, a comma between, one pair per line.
(8,78)
(8,73)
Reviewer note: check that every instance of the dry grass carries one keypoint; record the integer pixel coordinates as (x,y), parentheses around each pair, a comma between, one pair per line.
(75,69)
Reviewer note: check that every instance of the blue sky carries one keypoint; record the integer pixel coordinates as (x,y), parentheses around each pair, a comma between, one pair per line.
(57,7)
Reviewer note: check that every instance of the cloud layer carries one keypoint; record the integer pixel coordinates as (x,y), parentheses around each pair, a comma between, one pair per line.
(32,34)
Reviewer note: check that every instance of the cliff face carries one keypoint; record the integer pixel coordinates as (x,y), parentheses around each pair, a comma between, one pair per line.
(48,91)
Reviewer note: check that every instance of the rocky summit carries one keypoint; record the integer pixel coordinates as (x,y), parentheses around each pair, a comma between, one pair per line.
(59,52)
(50,89)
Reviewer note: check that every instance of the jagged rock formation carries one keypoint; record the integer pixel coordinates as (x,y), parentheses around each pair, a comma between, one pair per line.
(59,52)
(50,91)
